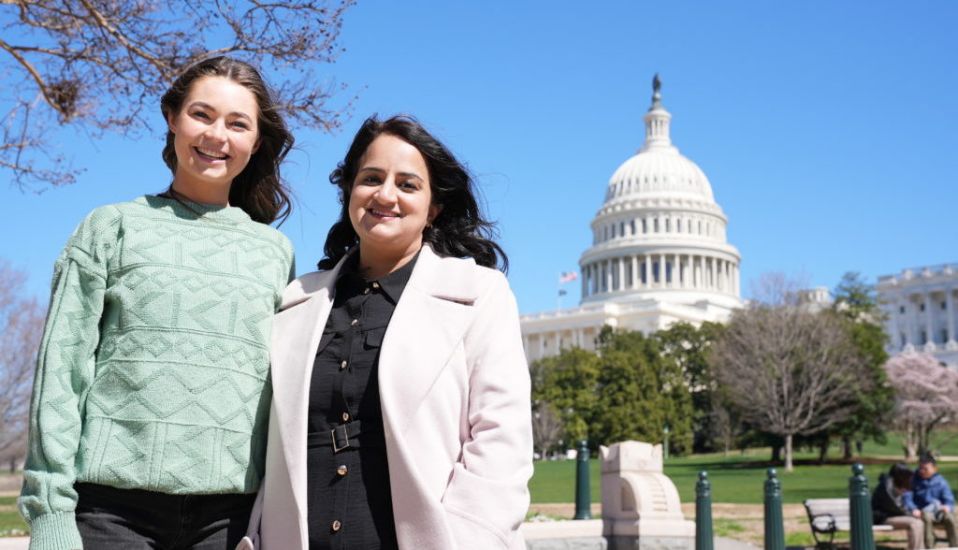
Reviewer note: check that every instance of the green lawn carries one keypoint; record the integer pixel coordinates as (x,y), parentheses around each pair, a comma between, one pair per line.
(10,522)
(736,479)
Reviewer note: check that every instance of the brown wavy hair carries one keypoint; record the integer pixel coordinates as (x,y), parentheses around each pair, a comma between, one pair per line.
(258,189)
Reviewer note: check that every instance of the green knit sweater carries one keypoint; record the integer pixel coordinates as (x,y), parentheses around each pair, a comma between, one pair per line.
(154,365)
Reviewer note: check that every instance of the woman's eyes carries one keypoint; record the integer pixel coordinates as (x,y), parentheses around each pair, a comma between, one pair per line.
(238,124)
(408,185)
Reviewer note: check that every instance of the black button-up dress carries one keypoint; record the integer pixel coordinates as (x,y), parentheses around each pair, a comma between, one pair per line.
(348,497)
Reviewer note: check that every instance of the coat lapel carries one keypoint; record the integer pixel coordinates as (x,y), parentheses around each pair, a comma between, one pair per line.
(296,333)
(429,322)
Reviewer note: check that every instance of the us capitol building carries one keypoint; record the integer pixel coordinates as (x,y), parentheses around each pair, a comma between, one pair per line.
(921,311)
(659,252)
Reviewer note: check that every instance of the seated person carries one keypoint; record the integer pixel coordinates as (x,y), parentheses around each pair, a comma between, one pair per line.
(931,500)
(888,504)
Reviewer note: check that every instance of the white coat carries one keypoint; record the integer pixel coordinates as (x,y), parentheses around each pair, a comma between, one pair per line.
(454,390)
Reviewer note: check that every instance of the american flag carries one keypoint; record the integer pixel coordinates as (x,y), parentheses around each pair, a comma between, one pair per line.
(567,277)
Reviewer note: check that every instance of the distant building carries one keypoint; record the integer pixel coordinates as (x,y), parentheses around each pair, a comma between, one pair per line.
(919,305)
(659,252)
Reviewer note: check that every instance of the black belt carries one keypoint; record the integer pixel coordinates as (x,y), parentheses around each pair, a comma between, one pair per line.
(348,435)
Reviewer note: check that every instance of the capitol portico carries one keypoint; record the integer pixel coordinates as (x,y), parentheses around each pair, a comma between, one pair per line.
(659,252)
(921,311)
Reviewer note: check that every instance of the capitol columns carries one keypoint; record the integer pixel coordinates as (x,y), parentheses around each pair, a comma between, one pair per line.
(648,271)
(929,325)
(608,275)
(714,271)
(621,274)
(635,270)
(950,304)
(585,277)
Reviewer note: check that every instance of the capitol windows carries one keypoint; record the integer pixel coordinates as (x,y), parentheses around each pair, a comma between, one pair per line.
(944,306)
(655,225)
(903,340)
(667,225)
(924,337)
(901,309)
(921,307)
(645,228)
(621,229)
(632,226)
(944,336)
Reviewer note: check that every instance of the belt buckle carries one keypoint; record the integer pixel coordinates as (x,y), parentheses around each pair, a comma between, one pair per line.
(332,434)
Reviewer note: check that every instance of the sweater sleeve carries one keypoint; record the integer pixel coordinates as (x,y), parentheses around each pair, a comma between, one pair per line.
(65,367)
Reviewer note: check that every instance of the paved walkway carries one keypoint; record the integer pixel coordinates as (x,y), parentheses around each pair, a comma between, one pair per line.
(14,543)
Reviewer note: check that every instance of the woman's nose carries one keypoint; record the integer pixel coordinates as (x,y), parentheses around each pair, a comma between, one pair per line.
(216,131)
(387,191)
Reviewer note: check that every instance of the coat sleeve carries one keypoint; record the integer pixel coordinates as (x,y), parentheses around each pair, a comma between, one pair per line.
(946,496)
(65,366)
(908,502)
(487,497)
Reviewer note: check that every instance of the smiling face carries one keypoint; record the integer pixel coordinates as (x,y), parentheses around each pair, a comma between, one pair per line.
(391,199)
(215,134)
(927,469)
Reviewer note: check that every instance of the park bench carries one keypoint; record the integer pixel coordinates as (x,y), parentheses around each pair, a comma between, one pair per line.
(828,516)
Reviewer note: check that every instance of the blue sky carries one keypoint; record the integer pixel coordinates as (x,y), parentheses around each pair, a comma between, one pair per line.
(827,129)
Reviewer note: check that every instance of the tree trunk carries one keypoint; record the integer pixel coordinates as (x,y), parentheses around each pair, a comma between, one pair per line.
(823,450)
(846,447)
(776,453)
(788,453)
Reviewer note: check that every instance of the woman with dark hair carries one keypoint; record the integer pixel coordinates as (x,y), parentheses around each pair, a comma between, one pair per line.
(889,504)
(401,414)
(150,401)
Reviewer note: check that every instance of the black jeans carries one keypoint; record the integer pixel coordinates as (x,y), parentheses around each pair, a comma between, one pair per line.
(133,519)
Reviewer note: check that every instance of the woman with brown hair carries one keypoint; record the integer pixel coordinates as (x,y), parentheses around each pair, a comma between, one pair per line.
(150,402)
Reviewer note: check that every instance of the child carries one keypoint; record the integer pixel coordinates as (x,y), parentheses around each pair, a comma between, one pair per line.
(931,500)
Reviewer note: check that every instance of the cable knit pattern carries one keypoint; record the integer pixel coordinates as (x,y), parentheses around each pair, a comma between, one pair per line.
(154,366)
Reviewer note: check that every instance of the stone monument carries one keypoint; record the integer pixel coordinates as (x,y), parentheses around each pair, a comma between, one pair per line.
(640,505)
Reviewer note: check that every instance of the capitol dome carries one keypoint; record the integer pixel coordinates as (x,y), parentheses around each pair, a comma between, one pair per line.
(659,171)
(659,232)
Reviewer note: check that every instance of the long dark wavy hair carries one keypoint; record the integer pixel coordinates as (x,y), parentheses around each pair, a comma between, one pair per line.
(258,189)
(459,230)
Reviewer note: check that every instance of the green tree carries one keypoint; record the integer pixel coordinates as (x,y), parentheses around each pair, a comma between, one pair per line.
(641,390)
(688,346)
(856,304)
(569,383)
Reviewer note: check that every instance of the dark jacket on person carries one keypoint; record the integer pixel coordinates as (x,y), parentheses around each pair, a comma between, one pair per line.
(885,503)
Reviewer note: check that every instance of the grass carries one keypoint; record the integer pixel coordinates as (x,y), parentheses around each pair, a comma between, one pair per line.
(736,479)
(727,527)
(11,524)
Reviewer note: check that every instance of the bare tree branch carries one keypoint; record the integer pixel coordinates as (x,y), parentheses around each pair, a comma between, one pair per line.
(102,64)
(788,371)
